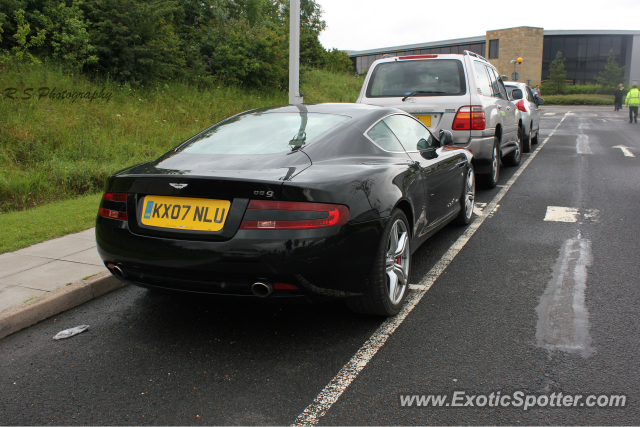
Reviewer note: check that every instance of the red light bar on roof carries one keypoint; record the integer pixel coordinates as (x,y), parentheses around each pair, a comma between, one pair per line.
(418,56)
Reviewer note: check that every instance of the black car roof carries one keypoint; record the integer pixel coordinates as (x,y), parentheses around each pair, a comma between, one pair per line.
(346,109)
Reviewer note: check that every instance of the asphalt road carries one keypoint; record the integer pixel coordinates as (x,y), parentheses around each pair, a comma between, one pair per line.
(526,305)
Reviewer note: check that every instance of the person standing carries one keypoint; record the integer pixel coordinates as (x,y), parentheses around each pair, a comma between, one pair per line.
(536,91)
(618,95)
(633,102)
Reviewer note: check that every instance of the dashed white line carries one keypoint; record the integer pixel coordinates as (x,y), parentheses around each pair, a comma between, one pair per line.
(561,214)
(582,144)
(332,391)
(563,319)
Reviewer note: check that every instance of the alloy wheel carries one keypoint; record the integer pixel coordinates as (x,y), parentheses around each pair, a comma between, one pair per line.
(518,152)
(397,261)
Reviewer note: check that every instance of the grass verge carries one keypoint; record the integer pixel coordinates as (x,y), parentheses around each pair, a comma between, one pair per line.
(25,228)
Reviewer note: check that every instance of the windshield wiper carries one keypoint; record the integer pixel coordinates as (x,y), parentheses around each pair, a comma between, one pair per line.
(415,92)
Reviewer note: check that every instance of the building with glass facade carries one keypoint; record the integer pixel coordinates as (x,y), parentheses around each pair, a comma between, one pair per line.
(585,52)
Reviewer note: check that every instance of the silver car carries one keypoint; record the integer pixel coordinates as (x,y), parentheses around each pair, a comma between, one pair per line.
(462,93)
(525,101)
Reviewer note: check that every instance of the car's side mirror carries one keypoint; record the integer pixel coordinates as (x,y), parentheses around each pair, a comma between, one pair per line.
(540,101)
(517,94)
(446,138)
(429,154)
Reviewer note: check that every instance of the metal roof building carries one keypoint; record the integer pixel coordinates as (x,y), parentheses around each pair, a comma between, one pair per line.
(585,52)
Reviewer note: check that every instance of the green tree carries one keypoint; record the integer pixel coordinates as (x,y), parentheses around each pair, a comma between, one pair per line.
(135,41)
(24,43)
(557,74)
(68,39)
(248,56)
(613,73)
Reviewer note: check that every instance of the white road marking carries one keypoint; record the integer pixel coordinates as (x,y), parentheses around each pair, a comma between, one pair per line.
(625,150)
(549,114)
(478,208)
(582,144)
(563,319)
(490,214)
(561,214)
(592,215)
(332,391)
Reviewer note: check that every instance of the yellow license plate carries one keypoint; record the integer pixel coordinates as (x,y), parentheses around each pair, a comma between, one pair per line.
(183,213)
(424,118)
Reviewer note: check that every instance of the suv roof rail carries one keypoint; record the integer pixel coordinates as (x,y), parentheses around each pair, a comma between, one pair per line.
(468,52)
(388,55)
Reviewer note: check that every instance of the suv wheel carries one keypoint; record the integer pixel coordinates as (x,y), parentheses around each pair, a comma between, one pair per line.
(491,179)
(514,157)
(526,141)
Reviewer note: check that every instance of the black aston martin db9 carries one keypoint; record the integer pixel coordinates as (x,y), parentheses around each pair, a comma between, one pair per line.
(295,202)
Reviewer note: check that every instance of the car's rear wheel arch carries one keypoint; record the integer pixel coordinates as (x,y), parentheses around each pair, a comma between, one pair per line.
(407,209)
(499,133)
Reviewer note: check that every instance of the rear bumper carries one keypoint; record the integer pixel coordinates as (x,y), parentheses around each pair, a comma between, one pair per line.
(322,263)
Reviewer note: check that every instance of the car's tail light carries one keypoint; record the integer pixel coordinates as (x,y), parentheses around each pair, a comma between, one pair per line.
(108,213)
(418,56)
(115,197)
(521,106)
(469,118)
(336,215)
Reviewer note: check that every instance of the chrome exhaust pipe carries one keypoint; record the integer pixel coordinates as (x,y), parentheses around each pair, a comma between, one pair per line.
(262,289)
(117,271)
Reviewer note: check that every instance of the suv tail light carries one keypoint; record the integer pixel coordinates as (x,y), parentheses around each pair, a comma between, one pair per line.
(110,213)
(417,56)
(469,118)
(336,215)
(521,106)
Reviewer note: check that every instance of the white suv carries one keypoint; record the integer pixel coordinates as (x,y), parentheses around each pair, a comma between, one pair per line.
(462,93)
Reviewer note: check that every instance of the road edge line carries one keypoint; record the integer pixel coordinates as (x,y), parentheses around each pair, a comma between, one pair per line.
(332,391)
(64,298)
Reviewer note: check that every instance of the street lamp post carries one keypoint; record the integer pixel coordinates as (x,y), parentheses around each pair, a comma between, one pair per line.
(295,97)
(515,76)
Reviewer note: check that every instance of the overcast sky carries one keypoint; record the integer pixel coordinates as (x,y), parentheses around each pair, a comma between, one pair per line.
(369,24)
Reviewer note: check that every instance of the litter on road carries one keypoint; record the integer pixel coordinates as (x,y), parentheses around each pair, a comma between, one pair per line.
(71,332)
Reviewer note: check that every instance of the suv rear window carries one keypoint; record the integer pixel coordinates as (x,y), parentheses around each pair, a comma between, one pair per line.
(441,77)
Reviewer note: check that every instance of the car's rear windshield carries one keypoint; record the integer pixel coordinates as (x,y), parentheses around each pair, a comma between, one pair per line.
(263,133)
(437,77)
